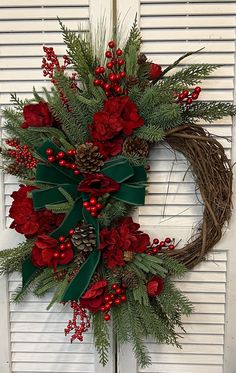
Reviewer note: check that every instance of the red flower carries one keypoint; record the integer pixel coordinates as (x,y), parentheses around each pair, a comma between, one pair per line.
(155,286)
(110,148)
(98,184)
(124,237)
(119,115)
(37,115)
(27,221)
(94,298)
(155,71)
(45,253)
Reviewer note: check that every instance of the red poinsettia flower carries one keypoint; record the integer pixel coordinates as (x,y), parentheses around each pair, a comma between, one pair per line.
(155,286)
(124,237)
(94,298)
(119,115)
(26,220)
(98,184)
(155,71)
(37,115)
(45,253)
(110,148)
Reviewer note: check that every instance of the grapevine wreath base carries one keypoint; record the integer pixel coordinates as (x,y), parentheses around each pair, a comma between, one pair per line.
(80,152)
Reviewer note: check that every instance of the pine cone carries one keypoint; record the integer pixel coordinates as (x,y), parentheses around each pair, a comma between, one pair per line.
(136,146)
(128,256)
(80,258)
(131,81)
(142,58)
(15,169)
(130,279)
(88,158)
(84,238)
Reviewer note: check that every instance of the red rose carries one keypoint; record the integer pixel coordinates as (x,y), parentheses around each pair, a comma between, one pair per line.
(124,237)
(155,286)
(98,184)
(94,298)
(45,253)
(155,71)
(119,115)
(26,220)
(110,148)
(37,115)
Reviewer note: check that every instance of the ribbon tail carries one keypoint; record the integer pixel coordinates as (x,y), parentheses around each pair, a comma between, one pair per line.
(81,281)
(28,271)
(131,194)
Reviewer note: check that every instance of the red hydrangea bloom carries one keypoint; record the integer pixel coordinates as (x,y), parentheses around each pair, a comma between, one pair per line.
(43,253)
(37,115)
(98,184)
(126,236)
(155,286)
(119,115)
(26,220)
(110,148)
(155,71)
(94,298)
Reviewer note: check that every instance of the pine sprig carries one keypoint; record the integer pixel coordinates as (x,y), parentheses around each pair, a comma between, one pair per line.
(173,267)
(11,259)
(113,210)
(208,111)
(101,337)
(134,38)
(150,133)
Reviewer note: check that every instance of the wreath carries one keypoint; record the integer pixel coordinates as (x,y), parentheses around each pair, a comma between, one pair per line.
(81,155)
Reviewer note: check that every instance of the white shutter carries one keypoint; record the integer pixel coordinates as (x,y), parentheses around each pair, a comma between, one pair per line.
(36,336)
(169,29)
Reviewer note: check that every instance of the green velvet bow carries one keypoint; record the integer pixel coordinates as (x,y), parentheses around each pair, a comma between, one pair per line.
(132,180)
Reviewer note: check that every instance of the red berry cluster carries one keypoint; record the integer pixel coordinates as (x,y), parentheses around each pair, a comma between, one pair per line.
(93,207)
(84,323)
(63,244)
(62,159)
(188,97)
(114,298)
(110,78)
(157,245)
(21,154)
(50,62)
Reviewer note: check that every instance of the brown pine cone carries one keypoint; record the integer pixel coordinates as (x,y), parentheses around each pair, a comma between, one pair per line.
(130,279)
(84,238)
(142,58)
(88,158)
(136,146)
(15,169)
(131,81)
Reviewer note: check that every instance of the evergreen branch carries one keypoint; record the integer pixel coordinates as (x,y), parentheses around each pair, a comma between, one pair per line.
(140,294)
(174,267)
(166,116)
(150,133)
(59,291)
(150,264)
(37,97)
(134,39)
(114,210)
(59,208)
(11,259)
(209,111)
(101,337)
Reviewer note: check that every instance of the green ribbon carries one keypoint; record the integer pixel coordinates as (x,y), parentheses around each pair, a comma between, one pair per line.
(132,182)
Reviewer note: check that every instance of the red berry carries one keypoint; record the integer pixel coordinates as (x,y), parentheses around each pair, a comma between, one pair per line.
(61,239)
(107,298)
(118,290)
(107,86)
(197,89)
(162,244)
(51,159)
(88,208)
(96,82)
(185,93)
(71,232)
(49,151)
(118,90)
(62,162)
(93,201)
(98,71)
(76,172)
(154,250)
(123,298)
(181,97)
(62,255)
(117,301)
(70,152)
(112,296)
(109,65)
(69,245)
(119,52)
(102,70)
(167,239)
(93,209)
(121,61)
(73,166)
(108,54)
(107,317)
(194,95)
(62,246)
(114,286)
(86,204)
(112,77)
(94,214)
(171,247)
(156,241)
(122,74)
(111,44)
(56,255)
(108,93)
(189,101)
(102,308)
(99,206)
